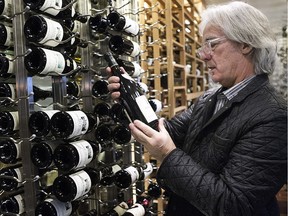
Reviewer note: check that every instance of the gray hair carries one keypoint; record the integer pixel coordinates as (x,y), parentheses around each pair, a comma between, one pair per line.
(243,23)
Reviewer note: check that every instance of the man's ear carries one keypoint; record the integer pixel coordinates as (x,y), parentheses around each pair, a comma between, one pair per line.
(246,49)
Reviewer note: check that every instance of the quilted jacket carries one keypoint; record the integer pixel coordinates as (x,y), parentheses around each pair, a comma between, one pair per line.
(230,163)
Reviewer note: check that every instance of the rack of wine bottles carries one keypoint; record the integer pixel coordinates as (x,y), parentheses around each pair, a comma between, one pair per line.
(65,145)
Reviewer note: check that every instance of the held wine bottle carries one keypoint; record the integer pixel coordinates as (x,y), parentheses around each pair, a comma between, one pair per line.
(42,61)
(71,124)
(126,177)
(42,153)
(40,122)
(6,8)
(135,103)
(6,36)
(11,178)
(55,8)
(53,207)
(120,46)
(75,154)
(39,29)
(9,151)
(9,122)
(118,210)
(13,204)
(136,210)
(67,188)
(6,67)
(120,23)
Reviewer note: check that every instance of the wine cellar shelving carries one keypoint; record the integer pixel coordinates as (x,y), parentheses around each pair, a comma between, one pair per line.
(61,78)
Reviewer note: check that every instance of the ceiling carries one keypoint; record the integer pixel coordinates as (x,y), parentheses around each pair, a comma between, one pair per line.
(275,10)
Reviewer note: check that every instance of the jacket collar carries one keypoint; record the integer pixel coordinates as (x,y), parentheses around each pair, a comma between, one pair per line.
(252,87)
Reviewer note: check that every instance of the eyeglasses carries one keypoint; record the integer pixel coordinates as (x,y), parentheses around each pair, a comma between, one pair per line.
(208,47)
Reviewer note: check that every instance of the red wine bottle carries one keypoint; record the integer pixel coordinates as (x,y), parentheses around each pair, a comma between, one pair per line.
(136,210)
(40,122)
(121,134)
(42,61)
(9,122)
(120,45)
(6,8)
(53,207)
(6,67)
(9,151)
(132,97)
(118,210)
(76,154)
(9,184)
(13,204)
(54,8)
(98,23)
(72,124)
(124,24)
(6,36)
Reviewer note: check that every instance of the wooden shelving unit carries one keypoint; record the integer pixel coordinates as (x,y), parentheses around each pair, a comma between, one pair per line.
(173,72)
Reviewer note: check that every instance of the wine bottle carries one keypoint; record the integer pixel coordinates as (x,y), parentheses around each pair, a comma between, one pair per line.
(6,67)
(118,210)
(135,103)
(72,89)
(40,94)
(136,210)
(155,104)
(72,186)
(119,22)
(75,154)
(6,36)
(11,178)
(100,89)
(6,8)
(154,190)
(40,122)
(39,29)
(107,174)
(126,177)
(102,109)
(55,8)
(7,90)
(42,61)
(132,68)
(9,122)
(103,134)
(42,153)
(12,205)
(53,207)
(121,134)
(117,113)
(120,45)
(71,124)
(98,23)
(9,151)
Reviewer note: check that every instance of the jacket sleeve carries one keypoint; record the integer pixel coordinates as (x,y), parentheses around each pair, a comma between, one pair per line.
(256,170)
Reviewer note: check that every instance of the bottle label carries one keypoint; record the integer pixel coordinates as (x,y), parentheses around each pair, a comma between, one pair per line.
(82,182)
(81,123)
(13,92)
(136,49)
(137,70)
(54,35)
(55,62)
(52,7)
(134,174)
(10,67)
(148,170)
(137,209)
(19,199)
(158,105)
(146,108)
(15,117)
(131,26)
(50,113)
(18,150)
(85,152)
(9,40)
(121,208)
(7,8)
(62,208)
